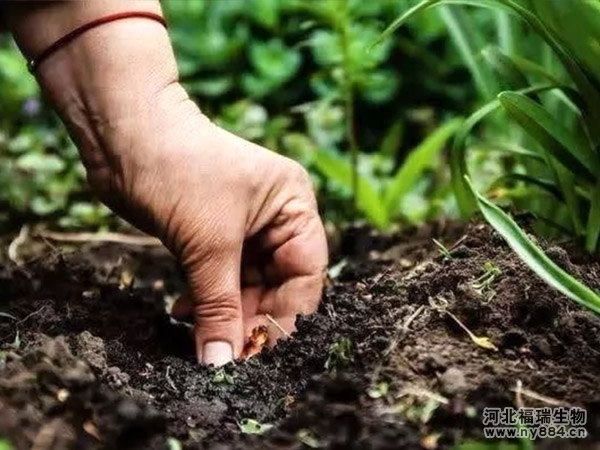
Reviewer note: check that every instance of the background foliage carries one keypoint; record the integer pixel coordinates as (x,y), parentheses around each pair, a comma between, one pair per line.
(276,72)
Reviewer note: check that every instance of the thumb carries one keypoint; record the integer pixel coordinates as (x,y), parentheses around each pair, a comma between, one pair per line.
(215,289)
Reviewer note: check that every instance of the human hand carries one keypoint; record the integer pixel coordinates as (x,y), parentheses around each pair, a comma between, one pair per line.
(242,220)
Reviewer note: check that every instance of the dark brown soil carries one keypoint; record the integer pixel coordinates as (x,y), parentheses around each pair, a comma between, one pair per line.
(92,360)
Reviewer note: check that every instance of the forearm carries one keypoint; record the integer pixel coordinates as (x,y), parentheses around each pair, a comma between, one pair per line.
(102,82)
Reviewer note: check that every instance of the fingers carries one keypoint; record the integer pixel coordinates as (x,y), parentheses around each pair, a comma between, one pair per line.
(217,309)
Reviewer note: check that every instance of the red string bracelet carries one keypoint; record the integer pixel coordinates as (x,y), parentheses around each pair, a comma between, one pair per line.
(34,62)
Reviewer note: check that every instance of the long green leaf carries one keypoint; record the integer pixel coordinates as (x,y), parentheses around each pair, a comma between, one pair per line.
(425,4)
(469,43)
(458,164)
(508,148)
(534,257)
(592,232)
(508,72)
(421,158)
(338,169)
(551,135)
(546,185)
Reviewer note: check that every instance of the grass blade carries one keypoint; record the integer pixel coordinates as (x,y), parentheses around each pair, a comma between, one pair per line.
(508,72)
(551,135)
(546,185)
(469,43)
(425,4)
(369,201)
(509,148)
(534,257)
(458,164)
(421,158)
(593,223)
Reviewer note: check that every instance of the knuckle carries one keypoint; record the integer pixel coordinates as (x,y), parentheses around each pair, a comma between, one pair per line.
(220,308)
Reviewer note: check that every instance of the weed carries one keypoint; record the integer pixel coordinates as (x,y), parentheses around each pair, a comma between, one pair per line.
(174,444)
(339,354)
(483,284)
(444,251)
(222,377)
(381,390)
(553,153)
(251,426)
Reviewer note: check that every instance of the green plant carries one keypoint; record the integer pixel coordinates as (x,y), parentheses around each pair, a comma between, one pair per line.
(479,445)
(172,443)
(339,354)
(222,377)
(251,426)
(381,191)
(444,251)
(555,167)
(5,445)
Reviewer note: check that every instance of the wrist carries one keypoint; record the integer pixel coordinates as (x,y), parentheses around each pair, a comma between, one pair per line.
(104,77)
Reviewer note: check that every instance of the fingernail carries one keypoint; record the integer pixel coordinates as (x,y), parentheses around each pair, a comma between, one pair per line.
(217,353)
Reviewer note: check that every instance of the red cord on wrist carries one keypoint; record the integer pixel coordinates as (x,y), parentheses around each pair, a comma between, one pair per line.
(34,62)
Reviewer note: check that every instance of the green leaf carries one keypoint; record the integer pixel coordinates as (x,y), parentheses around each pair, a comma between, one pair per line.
(593,224)
(251,426)
(421,158)
(38,162)
(274,61)
(509,148)
(425,4)
(392,139)
(508,73)
(458,164)
(551,135)
(339,169)
(469,41)
(534,257)
(546,185)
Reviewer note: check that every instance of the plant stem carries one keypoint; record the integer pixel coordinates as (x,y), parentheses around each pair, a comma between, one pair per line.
(344,24)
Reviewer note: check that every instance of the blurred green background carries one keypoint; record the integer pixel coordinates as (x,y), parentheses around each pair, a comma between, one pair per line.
(274,72)
(381,128)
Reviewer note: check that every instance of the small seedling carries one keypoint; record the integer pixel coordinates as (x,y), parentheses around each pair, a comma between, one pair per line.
(5,445)
(174,444)
(483,284)
(308,438)
(444,251)
(222,377)
(251,426)
(380,391)
(339,354)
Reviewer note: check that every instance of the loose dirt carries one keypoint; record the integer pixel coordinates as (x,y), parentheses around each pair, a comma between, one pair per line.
(90,359)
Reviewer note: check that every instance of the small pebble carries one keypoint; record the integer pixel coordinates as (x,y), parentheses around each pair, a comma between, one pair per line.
(453,381)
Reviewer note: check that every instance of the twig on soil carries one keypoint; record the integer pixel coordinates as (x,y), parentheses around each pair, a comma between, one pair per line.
(399,334)
(417,391)
(518,396)
(279,327)
(105,236)
(13,248)
(170,380)
(539,397)
(379,277)
(34,313)
(441,306)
